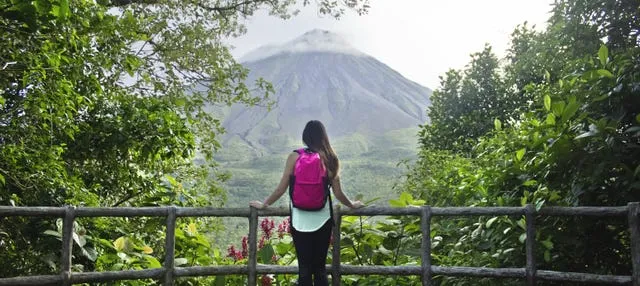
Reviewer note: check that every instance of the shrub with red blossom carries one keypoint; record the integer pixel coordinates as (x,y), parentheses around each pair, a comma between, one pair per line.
(266,280)
(267,227)
(284,227)
(267,244)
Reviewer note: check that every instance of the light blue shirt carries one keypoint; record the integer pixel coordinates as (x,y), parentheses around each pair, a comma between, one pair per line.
(309,221)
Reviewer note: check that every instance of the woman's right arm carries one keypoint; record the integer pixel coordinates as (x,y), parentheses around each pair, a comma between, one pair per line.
(282,186)
(337,190)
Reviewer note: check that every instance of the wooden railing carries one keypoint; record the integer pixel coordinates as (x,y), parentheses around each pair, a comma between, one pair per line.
(426,270)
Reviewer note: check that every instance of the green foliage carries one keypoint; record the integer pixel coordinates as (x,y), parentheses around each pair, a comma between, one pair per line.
(466,105)
(275,247)
(389,242)
(584,23)
(571,139)
(105,104)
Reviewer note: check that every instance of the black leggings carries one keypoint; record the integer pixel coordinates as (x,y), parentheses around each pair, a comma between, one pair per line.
(312,248)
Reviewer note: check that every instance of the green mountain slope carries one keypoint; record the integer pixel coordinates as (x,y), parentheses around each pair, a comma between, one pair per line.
(369,166)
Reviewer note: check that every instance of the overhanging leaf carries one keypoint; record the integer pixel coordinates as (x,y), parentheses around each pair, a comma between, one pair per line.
(89,253)
(120,243)
(547,76)
(605,73)
(497,124)
(547,102)
(53,233)
(547,256)
(522,237)
(603,54)
(192,229)
(79,239)
(520,154)
(64,9)
(551,119)
(584,135)
(147,250)
(570,109)
(171,180)
(490,221)
(558,107)
(152,261)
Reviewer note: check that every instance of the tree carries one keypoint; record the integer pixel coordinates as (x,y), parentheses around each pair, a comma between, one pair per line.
(583,23)
(571,139)
(106,104)
(466,105)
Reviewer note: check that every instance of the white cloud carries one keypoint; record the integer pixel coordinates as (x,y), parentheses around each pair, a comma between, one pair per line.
(312,41)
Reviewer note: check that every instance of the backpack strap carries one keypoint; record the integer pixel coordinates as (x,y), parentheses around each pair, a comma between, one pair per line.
(327,186)
(292,178)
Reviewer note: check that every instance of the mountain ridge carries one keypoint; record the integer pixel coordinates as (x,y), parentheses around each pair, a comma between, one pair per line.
(322,77)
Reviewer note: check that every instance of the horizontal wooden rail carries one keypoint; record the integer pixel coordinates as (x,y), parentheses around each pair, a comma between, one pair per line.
(583,277)
(6,211)
(88,277)
(252,269)
(455,271)
(32,280)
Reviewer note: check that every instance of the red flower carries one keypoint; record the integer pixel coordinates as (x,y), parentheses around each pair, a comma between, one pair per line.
(245,248)
(266,280)
(267,226)
(284,227)
(231,251)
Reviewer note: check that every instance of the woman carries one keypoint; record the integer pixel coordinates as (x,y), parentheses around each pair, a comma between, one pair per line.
(311,230)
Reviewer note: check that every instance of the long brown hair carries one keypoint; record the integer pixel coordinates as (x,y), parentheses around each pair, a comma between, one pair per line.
(315,137)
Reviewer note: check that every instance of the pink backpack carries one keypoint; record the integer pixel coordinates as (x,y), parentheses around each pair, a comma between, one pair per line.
(309,185)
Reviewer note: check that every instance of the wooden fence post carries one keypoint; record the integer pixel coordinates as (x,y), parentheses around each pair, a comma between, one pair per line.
(170,246)
(335,256)
(67,245)
(634,229)
(530,244)
(253,247)
(425,225)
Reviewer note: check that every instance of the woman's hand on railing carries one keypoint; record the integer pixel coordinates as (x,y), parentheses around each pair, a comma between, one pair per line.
(257,204)
(357,205)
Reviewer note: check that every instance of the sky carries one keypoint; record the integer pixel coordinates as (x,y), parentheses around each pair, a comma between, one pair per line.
(421,39)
